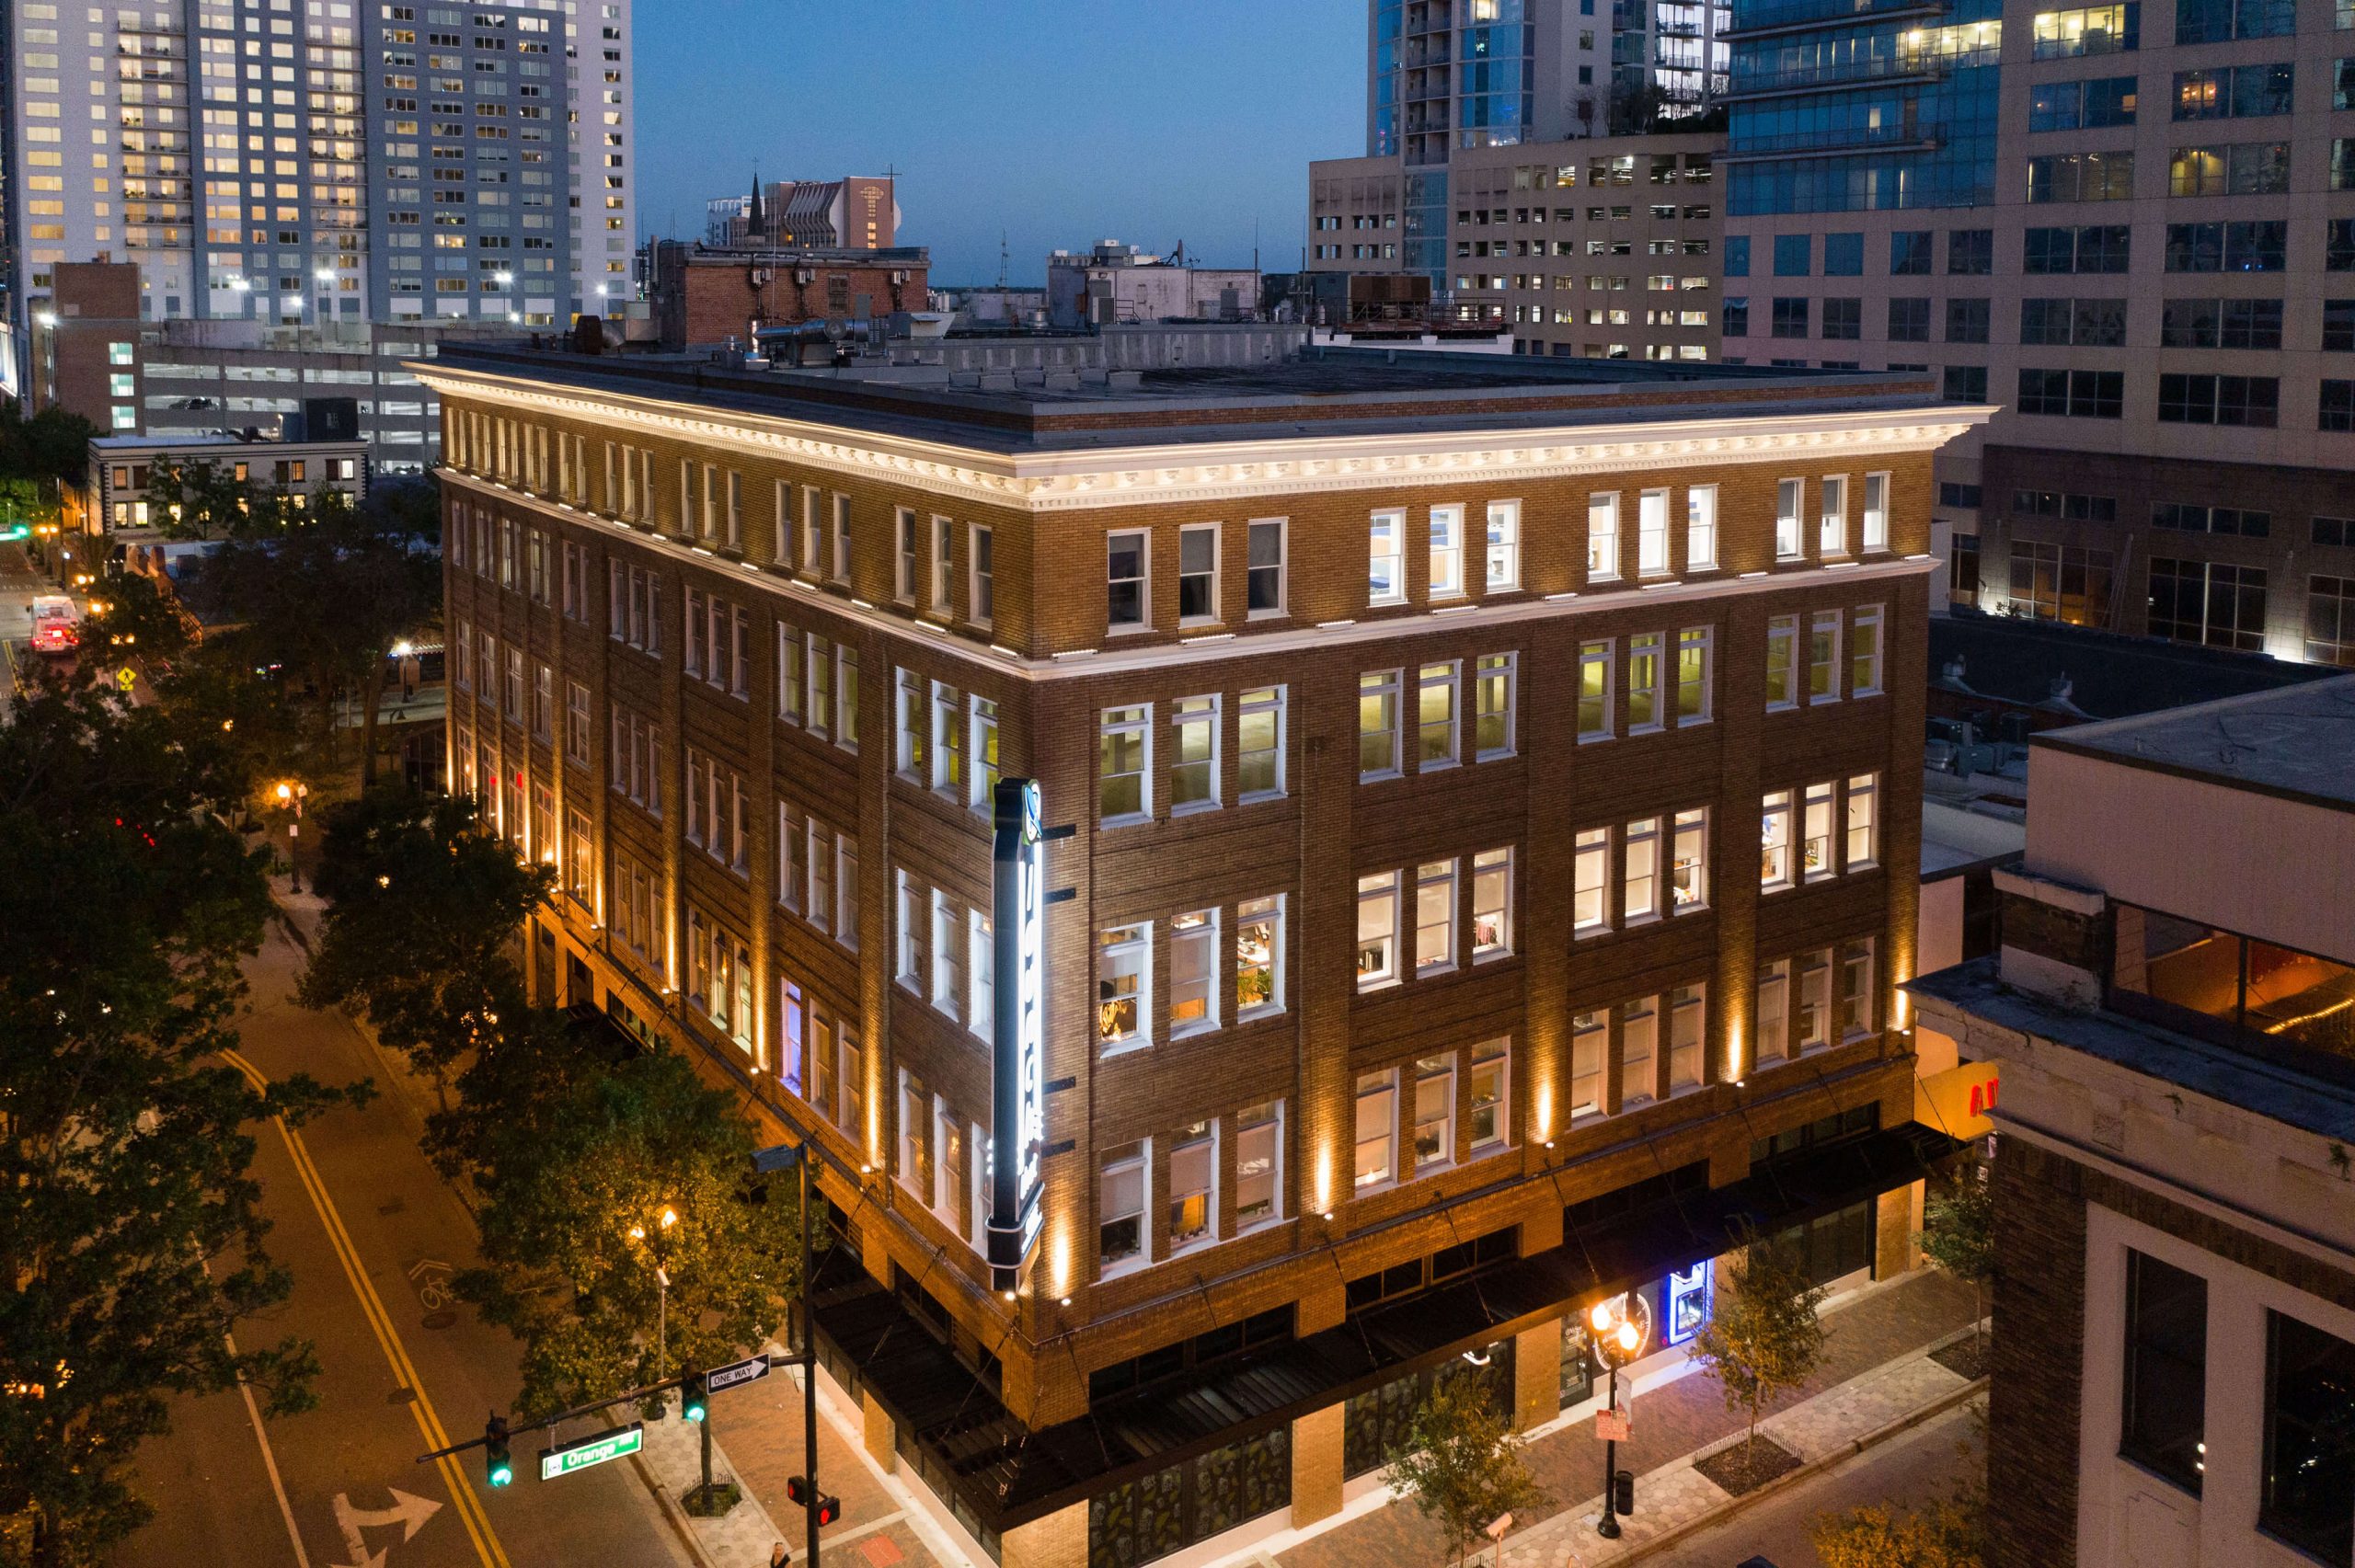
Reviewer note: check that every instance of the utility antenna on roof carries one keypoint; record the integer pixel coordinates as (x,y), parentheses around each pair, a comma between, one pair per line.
(1001,259)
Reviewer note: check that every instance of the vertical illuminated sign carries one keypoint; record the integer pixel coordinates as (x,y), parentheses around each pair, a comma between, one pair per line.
(1018,1088)
(1688,1301)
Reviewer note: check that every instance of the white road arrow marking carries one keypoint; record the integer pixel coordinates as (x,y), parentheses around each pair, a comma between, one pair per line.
(408,1511)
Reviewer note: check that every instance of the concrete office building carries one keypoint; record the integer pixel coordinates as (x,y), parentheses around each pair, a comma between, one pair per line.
(322,164)
(1601,250)
(2174,1350)
(2132,227)
(1114,282)
(856,212)
(1415,972)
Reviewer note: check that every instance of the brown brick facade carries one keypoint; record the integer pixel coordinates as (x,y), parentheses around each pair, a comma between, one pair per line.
(1311,844)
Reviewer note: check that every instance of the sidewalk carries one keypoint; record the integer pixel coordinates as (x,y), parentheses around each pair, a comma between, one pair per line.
(1875,1371)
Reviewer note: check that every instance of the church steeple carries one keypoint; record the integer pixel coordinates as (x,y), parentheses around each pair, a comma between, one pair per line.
(754,224)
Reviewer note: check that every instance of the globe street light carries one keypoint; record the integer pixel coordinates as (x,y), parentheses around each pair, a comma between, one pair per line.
(1617,1341)
(663,1223)
(290,795)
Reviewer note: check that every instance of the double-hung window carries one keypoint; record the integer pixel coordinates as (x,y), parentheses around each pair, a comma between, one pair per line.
(1833,492)
(1491,904)
(980,574)
(1124,986)
(1492,716)
(1125,750)
(1864,653)
(1602,537)
(1594,691)
(1193,972)
(1377,929)
(1701,527)
(981,962)
(1387,562)
(1876,512)
(1815,1000)
(1790,495)
(1815,833)
(1263,576)
(1259,956)
(1122,1241)
(948,740)
(1856,997)
(819,712)
(1258,1164)
(1378,725)
(909,725)
(1193,1188)
(842,538)
(1651,533)
(1863,821)
(947,955)
(1259,744)
(1437,700)
(911,928)
(1127,580)
(1645,675)
(981,744)
(1488,1110)
(1639,886)
(1198,595)
(1590,882)
(1823,657)
(1693,675)
(1772,1027)
(1504,546)
(943,563)
(903,555)
(1194,759)
(1782,662)
(1689,861)
(1435,917)
(1447,552)
(1638,1051)
(1590,1054)
(1434,1113)
(1376,1163)
(1685,1009)
(1774,841)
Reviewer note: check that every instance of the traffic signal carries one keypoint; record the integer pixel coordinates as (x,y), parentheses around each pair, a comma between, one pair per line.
(797,1494)
(695,1395)
(1622,1492)
(499,1464)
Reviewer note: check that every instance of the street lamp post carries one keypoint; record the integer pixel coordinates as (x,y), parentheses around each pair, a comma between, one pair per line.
(291,795)
(1617,1341)
(663,1223)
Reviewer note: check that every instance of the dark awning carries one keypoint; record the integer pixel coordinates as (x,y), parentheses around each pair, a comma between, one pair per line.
(1009,1474)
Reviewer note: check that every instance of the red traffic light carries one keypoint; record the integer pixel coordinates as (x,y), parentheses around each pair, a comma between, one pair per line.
(797,1492)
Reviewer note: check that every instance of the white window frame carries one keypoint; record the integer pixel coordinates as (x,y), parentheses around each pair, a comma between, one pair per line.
(1132,719)
(1127,1160)
(1688,863)
(944,565)
(1378,893)
(1868,649)
(1812,1018)
(1590,1063)
(1597,655)
(1434,1112)
(1205,718)
(1590,882)
(1447,551)
(1444,679)
(1603,536)
(1643,646)
(1269,911)
(1489,1057)
(1143,581)
(1790,505)
(1777,838)
(1861,821)
(1703,639)
(1128,954)
(981,977)
(1823,624)
(1492,893)
(1253,702)
(1875,537)
(1259,528)
(1261,1124)
(1773,1026)
(818,665)
(1437,880)
(946,983)
(1193,533)
(1200,939)
(1651,533)
(846,891)
(1701,527)
(983,765)
(1380,687)
(813,545)
(1686,1008)
(949,763)
(1855,997)
(1374,1105)
(1639,1021)
(1386,556)
(842,538)
(1832,538)
(980,575)
(909,923)
(1504,546)
(910,726)
(1783,635)
(1641,871)
(903,555)
(1819,849)
(1197,1143)
(1498,675)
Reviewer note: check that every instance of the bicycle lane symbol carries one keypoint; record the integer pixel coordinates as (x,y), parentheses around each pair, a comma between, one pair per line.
(429,1278)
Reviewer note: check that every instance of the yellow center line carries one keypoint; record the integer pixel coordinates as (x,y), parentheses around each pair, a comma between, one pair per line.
(380,1323)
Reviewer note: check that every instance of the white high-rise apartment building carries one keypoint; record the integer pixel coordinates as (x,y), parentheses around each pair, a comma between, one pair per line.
(321,162)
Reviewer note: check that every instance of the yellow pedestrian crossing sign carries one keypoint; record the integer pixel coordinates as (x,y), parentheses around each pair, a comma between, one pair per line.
(125,678)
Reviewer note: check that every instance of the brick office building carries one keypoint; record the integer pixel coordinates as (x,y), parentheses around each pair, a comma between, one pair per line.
(1417,971)
(2174,1033)
(706,294)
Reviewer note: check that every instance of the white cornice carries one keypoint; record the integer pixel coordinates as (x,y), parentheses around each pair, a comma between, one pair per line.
(1120,659)
(1291,463)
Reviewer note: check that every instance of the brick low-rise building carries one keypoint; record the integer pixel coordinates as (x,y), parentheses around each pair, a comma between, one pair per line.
(1484,778)
(2170,1025)
(703,295)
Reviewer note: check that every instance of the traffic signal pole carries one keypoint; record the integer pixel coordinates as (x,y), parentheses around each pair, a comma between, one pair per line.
(808,1368)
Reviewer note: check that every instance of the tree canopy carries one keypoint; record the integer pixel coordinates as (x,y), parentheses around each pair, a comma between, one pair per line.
(1763,1336)
(130,1238)
(1461,1463)
(1958,1232)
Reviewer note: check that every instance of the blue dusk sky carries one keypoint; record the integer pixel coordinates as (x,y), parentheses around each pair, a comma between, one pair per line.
(1146,120)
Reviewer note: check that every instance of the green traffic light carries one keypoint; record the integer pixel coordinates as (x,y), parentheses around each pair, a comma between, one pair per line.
(501,1474)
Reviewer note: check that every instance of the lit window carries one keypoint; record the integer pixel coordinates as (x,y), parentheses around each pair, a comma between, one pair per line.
(1377,929)
(1863,821)
(1492,719)
(948,742)
(1602,537)
(1259,744)
(1833,492)
(1376,1130)
(1124,754)
(1128,604)
(1119,1207)
(1490,1083)
(1638,1051)
(1259,956)
(1258,1164)
(1644,677)
(1816,833)
(1590,882)
(1197,597)
(1386,575)
(1193,763)
(1774,841)
(1700,528)
(1193,972)
(1377,725)
(1651,532)
(1193,1195)
(1782,662)
(1504,545)
(1437,706)
(1823,657)
(1639,887)
(1594,691)
(1790,495)
(1689,861)
(1492,904)
(1693,675)
(1123,984)
(1447,552)
(1434,1113)
(1864,653)
(1435,917)
(1590,1051)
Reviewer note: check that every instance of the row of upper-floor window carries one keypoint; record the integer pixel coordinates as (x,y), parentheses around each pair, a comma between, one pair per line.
(2243,245)
(2117,27)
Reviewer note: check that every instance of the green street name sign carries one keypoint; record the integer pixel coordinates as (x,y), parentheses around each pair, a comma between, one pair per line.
(619,1443)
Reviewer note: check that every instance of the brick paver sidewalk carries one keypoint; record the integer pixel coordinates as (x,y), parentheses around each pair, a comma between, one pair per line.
(1889,1324)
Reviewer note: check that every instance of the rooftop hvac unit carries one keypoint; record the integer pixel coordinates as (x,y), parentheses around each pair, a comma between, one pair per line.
(761,276)
(899,277)
(805,275)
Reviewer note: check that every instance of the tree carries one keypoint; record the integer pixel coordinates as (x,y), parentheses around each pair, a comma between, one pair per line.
(423,906)
(1944,1534)
(1762,1337)
(1958,1234)
(51,445)
(1461,1463)
(577,1157)
(139,620)
(131,1239)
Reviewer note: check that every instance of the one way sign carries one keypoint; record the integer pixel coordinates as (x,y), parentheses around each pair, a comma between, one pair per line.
(737,1373)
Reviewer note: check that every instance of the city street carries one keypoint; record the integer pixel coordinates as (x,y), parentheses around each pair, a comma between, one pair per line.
(18,584)
(1910,1470)
(372,1235)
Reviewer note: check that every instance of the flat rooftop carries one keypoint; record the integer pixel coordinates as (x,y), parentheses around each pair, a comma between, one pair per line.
(2298,741)
(1318,391)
